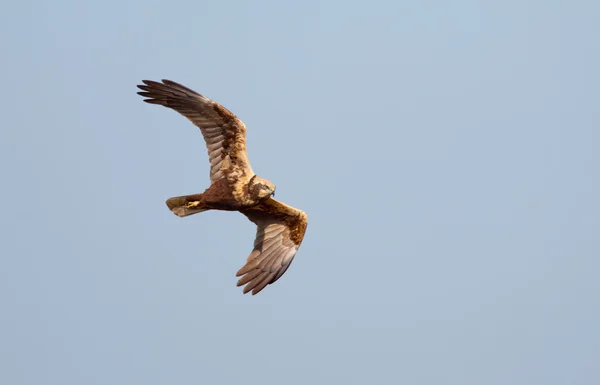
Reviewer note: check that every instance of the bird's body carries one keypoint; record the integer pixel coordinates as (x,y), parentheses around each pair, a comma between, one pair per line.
(234,186)
(221,195)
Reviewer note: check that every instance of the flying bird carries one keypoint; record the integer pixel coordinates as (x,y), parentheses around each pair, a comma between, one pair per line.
(233,185)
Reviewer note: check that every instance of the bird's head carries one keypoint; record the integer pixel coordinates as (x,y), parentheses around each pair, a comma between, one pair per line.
(261,188)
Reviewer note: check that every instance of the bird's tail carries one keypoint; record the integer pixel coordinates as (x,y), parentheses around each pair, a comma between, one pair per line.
(186,205)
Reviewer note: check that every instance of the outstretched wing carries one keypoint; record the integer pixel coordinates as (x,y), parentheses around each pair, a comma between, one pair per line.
(279,233)
(224,133)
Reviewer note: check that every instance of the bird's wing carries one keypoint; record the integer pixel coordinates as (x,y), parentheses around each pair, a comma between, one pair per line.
(224,133)
(280,230)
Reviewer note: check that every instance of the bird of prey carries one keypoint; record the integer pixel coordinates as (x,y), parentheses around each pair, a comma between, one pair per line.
(234,186)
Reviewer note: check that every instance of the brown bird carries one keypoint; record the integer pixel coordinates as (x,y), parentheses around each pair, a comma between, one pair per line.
(234,186)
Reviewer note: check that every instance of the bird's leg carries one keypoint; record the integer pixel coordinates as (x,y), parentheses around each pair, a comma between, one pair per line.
(193,204)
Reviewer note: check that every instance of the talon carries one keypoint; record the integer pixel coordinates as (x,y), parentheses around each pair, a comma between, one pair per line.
(193,204)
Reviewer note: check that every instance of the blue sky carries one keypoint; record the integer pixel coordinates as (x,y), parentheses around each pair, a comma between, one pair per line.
(445,152)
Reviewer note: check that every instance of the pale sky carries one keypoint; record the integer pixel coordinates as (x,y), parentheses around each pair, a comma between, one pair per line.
(446,153)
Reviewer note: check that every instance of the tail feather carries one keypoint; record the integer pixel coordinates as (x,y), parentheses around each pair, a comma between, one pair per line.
(186,205)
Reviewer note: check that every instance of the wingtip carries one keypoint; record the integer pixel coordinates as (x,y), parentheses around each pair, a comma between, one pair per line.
(147,86)
(255,292)
(246,289)
(153,101)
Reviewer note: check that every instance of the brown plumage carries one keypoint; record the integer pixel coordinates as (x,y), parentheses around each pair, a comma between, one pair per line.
(234,186)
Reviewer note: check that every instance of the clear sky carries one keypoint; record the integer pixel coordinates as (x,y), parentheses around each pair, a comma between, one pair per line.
(446,153)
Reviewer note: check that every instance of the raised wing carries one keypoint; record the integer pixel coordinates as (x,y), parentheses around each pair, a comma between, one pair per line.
(224,133)
(279,233)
